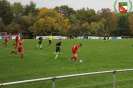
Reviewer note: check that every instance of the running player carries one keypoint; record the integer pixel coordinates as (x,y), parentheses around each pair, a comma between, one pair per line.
(16,40)
(7,38)
(74,51)
(104,38)
(58,47)
(20,49)
(50,39)
(39,43)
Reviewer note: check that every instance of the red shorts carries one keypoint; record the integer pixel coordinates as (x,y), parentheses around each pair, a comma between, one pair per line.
(6,40)
(74,51)
(20,49)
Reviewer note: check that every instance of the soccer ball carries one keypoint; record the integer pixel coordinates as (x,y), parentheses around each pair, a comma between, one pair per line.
(80,61)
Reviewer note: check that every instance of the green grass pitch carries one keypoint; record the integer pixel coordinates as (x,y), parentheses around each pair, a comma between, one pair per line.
(96,55)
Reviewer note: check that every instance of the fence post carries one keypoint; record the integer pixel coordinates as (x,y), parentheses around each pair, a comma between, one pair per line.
(114,79)
(53,83)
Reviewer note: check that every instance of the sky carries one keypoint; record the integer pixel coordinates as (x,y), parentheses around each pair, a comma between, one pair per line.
(75,4)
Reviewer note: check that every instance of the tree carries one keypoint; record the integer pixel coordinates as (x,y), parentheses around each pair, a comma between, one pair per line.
(85,29)
(26,22)
(6,12)
(123,26)
(86,15)
(13,28)
(65,10)
(18,11)
(50,22)
(81,15)
(2,26)
(106,14)
(130,18)
(31,9)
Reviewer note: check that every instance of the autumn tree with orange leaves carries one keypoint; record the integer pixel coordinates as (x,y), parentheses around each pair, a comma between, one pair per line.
(50,22)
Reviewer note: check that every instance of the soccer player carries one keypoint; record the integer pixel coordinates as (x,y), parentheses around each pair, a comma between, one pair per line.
(16,40)
(58,47)
(39,43)
(104,38)
(7,38)
(74,51)
(20,49)
(50,39)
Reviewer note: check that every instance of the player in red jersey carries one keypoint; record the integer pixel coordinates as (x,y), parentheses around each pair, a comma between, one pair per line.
(17,40)
(74,51)
(20,49)
(7,38)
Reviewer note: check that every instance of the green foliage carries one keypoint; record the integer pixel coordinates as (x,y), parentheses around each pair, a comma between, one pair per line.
(2,26)
(13,28)
(65,10)
(6,12)
(31,9)
(130,18)
(123,26)
(18,11)
(96,55)
(26,22)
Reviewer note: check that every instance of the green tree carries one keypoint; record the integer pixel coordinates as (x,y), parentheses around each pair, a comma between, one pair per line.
(31,8)
(81,15)
(13,28)
(123,26)
(2,26)
(26,22)
(106,14)
(86,15)
(18,11)
(130,18)
(85,29)
(91,16)
(6,12)
(65,10)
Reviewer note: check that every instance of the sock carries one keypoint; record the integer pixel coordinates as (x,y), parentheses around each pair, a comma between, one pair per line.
(75,59)
(54,53)
(41,46)
(22,55)
(56,56)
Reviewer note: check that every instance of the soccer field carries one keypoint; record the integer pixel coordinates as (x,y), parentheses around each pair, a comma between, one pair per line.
(96,55)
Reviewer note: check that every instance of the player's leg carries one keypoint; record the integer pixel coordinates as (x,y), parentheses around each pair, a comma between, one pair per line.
(49,42)
(57,54)
(6,41)
(36,46)
(16,44)
(40,46)
(22,54)
(15,52)
(74,52)
(75,57)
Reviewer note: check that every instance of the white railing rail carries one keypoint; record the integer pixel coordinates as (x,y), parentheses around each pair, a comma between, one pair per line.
(68,76)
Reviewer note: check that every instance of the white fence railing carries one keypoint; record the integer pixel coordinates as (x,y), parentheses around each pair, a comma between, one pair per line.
(68,76)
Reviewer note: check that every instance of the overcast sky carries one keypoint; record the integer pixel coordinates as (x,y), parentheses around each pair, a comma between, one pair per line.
(75,4)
